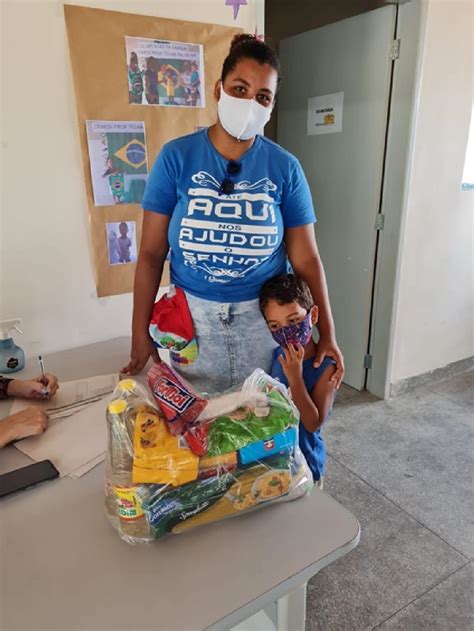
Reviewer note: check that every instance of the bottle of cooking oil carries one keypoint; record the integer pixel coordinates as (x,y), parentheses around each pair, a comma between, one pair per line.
(122,502)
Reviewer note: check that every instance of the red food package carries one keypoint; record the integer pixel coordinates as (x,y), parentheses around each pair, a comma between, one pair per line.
(178,401)
(196,437)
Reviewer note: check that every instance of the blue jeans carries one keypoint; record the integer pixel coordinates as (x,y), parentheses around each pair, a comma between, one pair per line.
(233,340)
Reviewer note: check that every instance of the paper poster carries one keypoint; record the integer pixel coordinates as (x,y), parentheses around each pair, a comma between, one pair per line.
(325,114)
(99,66)
(165,73)
(118,160)
(121,242)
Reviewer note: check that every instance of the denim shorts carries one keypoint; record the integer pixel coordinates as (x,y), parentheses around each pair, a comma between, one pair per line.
(233,340)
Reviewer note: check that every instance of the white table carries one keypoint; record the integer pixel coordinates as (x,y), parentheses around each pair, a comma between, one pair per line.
(63,567)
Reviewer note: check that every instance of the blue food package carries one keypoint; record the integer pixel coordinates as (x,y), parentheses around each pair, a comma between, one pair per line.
(280,444)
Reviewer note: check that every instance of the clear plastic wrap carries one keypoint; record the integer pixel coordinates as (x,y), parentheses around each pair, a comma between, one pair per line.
(238,453)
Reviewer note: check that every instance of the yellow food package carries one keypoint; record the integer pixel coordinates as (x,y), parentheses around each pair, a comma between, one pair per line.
(159,457)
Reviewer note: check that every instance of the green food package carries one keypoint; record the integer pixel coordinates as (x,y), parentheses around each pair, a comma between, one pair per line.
(243,427)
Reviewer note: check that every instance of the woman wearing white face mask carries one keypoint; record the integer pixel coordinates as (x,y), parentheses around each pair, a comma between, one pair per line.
(234,208)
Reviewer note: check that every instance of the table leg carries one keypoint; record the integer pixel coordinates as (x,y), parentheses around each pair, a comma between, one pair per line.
(286,614)
(291,611)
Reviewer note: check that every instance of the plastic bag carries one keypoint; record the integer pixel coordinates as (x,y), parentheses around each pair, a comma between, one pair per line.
(240,454)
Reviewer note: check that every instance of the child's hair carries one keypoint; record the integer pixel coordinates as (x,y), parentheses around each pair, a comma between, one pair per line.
(286,288)
(246,46)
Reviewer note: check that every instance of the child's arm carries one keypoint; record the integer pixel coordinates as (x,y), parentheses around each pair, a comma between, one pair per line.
(313,408)
(323,393)
(292,364)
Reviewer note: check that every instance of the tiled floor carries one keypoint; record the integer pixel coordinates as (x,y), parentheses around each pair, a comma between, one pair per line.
(405,468)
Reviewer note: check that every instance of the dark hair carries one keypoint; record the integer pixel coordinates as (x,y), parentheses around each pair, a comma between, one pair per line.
(285,289)
(246,46)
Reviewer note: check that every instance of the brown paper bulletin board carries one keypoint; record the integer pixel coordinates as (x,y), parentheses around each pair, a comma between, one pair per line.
(99,67)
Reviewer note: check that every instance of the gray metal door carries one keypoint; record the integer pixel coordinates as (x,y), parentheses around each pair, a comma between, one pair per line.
(344,168)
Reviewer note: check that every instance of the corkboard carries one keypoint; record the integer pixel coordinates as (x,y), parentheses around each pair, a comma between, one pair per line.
(99,67)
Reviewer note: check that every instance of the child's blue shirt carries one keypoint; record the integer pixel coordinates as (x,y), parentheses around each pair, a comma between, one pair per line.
(311,443)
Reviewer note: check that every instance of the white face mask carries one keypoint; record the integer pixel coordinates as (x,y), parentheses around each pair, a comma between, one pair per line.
(242,118)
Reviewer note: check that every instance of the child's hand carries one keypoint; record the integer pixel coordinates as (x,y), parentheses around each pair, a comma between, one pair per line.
(292,362)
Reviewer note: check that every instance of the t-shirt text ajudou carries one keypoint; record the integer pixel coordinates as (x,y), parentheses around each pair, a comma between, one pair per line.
(224,247)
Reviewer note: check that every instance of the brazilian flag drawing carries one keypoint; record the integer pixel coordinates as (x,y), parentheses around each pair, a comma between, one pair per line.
(128,153)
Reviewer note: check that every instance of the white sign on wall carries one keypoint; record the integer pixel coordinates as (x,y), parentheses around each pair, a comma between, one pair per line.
(325,114)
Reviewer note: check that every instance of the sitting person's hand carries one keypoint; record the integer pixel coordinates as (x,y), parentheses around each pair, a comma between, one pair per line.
(29,422)
(38,388)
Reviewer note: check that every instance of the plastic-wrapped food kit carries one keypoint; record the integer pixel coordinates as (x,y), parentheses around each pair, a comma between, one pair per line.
(177,460)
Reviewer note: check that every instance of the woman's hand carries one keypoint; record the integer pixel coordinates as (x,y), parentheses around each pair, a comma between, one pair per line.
(29,422)
(292,362)
(142,349)
(327,347)
(38,388)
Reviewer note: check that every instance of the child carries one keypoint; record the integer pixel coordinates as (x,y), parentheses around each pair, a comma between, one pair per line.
(135,80)
(288,308)
(170,78)
(151,81)
(195,82)
(186,81)
(124,243)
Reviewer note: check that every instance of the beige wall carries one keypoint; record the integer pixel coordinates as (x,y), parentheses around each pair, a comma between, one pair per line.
(47,276)
(434,317)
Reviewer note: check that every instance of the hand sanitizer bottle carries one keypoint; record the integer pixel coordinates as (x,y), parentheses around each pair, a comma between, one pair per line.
(12,357)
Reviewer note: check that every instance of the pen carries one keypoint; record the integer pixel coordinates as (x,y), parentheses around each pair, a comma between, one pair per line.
(44,381)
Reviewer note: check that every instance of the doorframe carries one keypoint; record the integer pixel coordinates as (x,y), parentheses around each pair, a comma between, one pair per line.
(398,163)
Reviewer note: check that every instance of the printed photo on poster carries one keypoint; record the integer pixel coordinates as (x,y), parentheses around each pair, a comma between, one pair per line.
(325,114)
(121,242)
(117,153)
(165,73)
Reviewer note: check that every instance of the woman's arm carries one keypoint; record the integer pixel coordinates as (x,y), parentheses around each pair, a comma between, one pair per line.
(153,251)
(304,257)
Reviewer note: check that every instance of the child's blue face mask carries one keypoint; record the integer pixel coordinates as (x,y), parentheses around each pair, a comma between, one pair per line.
(295,333)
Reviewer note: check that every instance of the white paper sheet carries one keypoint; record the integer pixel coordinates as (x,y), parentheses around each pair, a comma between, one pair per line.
(72,397)
(87,467)
(73,442)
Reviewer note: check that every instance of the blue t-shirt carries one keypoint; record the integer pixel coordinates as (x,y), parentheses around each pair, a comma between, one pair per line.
(311,443)
(224,247)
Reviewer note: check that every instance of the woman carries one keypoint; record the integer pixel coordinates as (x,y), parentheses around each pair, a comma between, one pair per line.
(234,208)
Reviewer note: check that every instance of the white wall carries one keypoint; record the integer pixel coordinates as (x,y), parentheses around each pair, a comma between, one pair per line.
(46,270)
(434,318)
